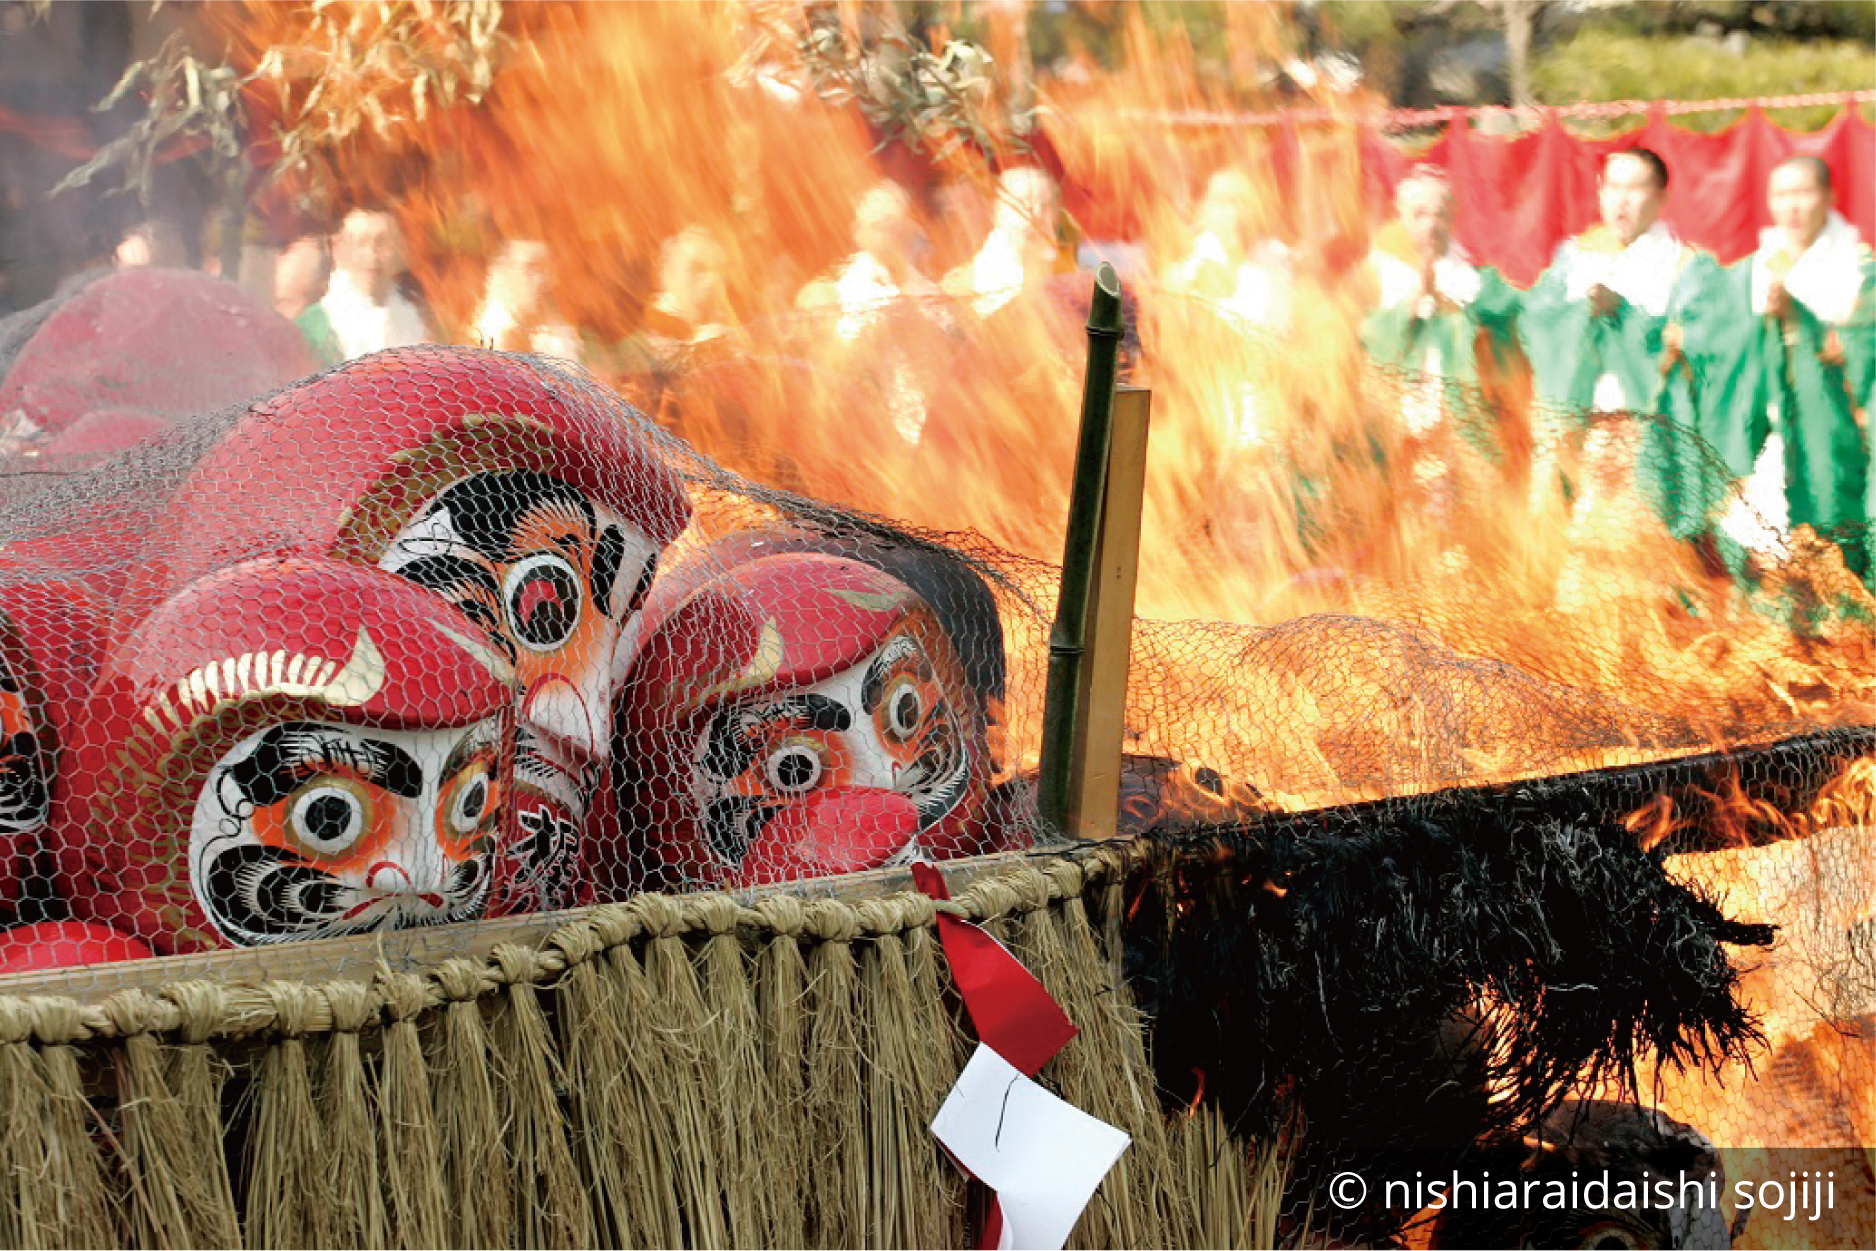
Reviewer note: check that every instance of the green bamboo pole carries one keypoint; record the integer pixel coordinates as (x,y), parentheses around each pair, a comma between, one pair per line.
(1068,637)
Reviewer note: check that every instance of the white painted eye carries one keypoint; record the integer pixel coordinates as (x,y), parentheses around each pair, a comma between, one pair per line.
(542,599)
(472,795)
(905,709)
(327,819)
(793,769)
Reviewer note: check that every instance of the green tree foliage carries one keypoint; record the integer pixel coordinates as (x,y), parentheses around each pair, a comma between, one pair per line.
(1614,50)
(1801,19)
(1604,64)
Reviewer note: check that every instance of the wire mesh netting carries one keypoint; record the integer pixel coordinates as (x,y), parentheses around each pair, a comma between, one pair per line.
(447,635)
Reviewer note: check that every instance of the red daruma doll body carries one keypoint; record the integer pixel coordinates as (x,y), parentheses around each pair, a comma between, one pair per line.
(797,715)
(289,749)
(167,343)
(65,944)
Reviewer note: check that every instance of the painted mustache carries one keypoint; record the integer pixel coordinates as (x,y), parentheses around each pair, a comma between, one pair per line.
(260,894)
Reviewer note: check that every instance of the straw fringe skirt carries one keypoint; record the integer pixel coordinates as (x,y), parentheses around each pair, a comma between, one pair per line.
(686,1071)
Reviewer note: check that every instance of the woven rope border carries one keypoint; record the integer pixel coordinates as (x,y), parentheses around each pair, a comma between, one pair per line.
(201,1010)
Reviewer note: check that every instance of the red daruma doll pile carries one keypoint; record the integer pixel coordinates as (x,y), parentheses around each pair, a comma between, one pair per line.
(378,657)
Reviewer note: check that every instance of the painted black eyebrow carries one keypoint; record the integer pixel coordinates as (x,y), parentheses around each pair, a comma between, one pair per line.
(731,747)
(279,762)
(873,685)
(486,509)
(734,822)
(608,555)
(469,584)
(448,573)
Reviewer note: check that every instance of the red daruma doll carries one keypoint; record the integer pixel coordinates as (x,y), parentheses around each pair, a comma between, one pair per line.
(49,626)
(527,498)
(166,343)
(797,715)
(287,749)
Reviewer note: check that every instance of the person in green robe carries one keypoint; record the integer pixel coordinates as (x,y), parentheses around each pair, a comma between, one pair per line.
(1429,307)
(362,310)
(1601,330)
(1792,357)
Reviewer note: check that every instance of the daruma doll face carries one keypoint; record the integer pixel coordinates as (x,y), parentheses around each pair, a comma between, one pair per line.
(309,829)
(292,749)
(558,582)
(800,714)
(25,791)
(49,632)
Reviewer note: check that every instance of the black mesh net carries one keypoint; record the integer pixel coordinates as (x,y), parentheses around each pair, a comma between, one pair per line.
(1464,810)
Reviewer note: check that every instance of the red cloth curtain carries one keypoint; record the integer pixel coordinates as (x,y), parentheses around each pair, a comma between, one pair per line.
(1519,197)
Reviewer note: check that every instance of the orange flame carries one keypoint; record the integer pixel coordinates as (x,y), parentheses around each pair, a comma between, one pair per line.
(1279,480)
(1732,816)
(1849,799)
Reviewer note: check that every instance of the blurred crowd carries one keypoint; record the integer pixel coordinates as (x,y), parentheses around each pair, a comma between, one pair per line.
(1756,377)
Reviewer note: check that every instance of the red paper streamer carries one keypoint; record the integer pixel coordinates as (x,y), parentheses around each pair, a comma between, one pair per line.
(1014,1015)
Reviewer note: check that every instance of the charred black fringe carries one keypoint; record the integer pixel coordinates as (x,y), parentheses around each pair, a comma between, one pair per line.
(1365,982)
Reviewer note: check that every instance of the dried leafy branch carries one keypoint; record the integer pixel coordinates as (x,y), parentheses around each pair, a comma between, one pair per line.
(932,101)
(352,67)
(187,99)
(380,66)
(190,105)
